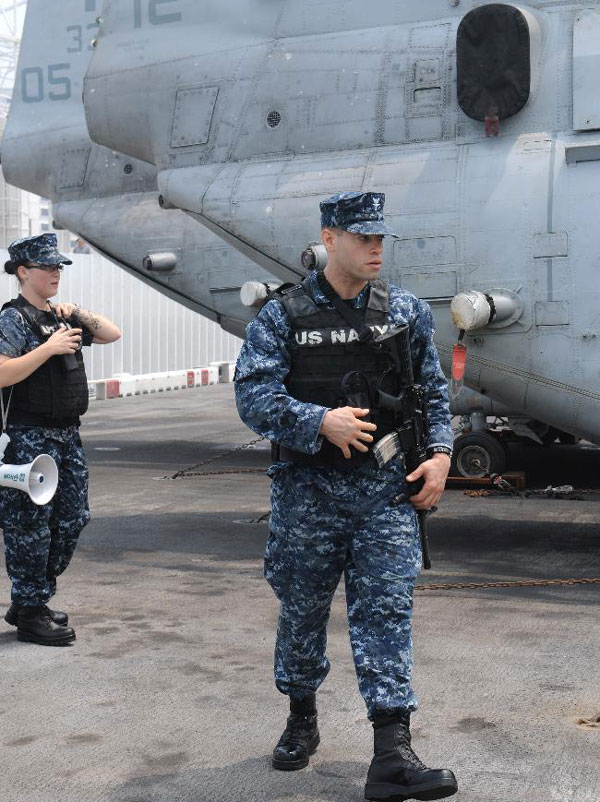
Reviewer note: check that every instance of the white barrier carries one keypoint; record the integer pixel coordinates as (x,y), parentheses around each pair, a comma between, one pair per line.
(226,370)
(124,384)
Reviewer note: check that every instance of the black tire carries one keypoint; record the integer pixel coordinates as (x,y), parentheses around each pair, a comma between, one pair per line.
(477,454)
(568,439)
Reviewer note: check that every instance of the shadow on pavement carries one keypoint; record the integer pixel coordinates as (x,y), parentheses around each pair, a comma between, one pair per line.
(479,548)
(183,453)
(337,781)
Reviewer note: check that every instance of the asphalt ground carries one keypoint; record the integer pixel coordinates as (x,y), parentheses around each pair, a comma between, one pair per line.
(167,694)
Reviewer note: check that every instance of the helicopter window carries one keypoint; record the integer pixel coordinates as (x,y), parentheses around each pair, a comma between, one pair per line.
(493,62)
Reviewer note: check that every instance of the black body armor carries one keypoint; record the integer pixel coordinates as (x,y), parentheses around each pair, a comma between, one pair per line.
(53,395)
(333,368)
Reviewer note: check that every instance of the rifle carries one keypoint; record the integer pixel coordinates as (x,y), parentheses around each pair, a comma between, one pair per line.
(398,394)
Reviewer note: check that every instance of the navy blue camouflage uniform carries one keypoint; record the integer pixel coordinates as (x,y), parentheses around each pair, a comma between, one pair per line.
(325,523)
(39,541)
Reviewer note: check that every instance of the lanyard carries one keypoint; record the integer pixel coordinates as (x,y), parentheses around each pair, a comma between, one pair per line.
(4,438)
(5,410)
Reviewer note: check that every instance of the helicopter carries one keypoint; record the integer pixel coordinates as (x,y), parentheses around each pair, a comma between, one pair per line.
(191,142)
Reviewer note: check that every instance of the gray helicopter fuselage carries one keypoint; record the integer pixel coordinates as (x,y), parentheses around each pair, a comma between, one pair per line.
(244,114)
(109,198)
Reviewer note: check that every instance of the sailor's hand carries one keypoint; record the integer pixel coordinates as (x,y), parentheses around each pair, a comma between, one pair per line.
(434,472)
(63,341)
(64,310)
(344,428)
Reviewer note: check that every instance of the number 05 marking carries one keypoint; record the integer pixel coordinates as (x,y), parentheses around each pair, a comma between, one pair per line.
(33,83)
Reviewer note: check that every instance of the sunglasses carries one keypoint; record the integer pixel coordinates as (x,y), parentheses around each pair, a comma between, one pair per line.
(47,268)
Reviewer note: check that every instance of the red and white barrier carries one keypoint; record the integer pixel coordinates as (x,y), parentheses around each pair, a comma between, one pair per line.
(204,376)
(125,384)
(106,388)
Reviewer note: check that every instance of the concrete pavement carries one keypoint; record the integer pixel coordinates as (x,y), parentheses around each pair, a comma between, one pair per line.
(167,694)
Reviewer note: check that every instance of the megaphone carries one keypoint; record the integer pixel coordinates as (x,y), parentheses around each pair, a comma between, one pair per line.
(38,478)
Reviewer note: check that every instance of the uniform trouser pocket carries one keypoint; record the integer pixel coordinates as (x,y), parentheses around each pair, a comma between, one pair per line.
(277,565)
(70,510)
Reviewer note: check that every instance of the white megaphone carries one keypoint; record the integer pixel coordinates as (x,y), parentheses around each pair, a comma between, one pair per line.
(38,478)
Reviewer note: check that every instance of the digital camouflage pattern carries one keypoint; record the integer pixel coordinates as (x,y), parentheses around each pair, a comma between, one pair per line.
(324,522)
(357,212)
(316,535)
(39,541)
(42,249)
(16,337)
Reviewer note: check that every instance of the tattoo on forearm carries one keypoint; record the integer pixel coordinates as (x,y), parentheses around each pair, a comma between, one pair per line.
(88,318)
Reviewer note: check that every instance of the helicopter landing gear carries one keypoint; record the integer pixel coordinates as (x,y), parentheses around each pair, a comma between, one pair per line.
(478,454)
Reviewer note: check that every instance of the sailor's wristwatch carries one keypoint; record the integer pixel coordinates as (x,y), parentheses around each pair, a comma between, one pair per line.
(439,450)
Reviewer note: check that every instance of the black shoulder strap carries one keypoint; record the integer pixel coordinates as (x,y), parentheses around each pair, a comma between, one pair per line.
(297,301)
(379,296)
(20,304)
(13,303)
(27,312)
(350,315)
(288,288)
(37,319)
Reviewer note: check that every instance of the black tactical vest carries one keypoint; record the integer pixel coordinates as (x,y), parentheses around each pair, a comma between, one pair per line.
(51,396)
(325,351)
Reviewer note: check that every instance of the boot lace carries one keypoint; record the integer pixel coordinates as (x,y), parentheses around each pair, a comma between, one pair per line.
(405,750)
(298,731)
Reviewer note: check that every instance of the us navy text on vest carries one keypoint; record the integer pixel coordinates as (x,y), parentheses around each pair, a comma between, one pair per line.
(307,337)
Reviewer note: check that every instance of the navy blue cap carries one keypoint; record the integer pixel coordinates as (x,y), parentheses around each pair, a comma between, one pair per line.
(42,249)
(357,212)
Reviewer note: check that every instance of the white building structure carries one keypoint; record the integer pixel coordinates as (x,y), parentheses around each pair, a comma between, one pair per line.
(12,14)
(158,334)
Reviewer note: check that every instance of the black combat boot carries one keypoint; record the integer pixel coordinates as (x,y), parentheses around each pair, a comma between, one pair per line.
(300,737)
(396,773)
(57,616)
(35,625)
